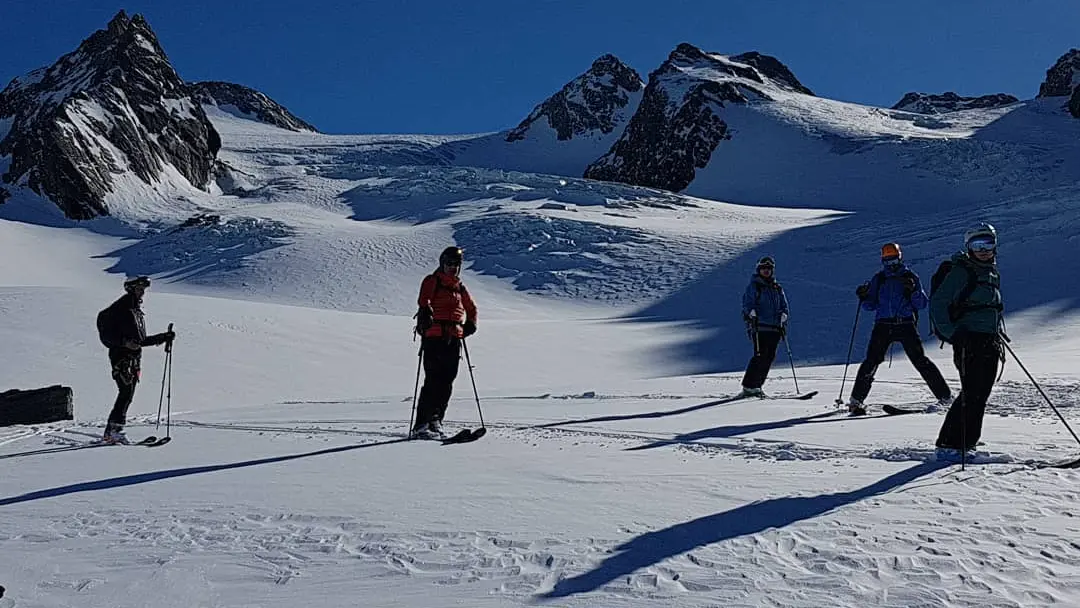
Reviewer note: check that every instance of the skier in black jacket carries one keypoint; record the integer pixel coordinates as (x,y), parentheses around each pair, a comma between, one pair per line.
(122,328)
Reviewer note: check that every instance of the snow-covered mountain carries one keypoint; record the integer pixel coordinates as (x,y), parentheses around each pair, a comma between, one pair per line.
(717,126)
(926,103)
(679,124)
(617,468)
(1063,80)
(246,102)
(112,111)
(567,131)
(602,99)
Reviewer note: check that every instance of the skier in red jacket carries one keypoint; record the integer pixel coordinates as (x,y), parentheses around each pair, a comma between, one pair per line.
(447,314)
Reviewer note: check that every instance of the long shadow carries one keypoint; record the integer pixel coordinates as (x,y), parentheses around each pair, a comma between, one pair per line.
(654,547)
(52,450)
(130,480)
(640,416)
(739,429)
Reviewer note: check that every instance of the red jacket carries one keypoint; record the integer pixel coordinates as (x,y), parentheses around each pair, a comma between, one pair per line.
(450,303)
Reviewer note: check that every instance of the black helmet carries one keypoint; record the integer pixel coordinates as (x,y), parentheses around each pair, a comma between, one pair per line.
(139,281)
(766,262)
(451,255)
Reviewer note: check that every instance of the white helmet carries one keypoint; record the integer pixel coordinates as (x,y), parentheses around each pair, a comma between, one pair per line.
(983,231)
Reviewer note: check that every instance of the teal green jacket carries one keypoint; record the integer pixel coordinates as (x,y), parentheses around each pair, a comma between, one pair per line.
(981,312)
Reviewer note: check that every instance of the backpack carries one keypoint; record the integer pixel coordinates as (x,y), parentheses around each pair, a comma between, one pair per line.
(957,308)
(106,328)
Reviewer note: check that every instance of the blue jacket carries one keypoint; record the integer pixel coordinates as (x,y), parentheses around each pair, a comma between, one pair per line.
(768,299)
(887,295)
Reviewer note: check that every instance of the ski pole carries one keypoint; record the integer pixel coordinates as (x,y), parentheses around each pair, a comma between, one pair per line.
(963,408)
(792,361)
(1039,388)
(164,372)
(468,364)
(168,395)
(416,388)
(851,346)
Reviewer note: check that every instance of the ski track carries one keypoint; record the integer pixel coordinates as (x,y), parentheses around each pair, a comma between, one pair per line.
(953,547)
(951,560)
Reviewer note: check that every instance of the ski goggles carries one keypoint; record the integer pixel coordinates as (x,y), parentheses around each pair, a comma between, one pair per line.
(892,260)
(982,245)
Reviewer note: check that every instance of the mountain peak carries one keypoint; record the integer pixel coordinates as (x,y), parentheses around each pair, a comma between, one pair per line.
(680,119)
(598,101)
(246,102)
(926,103)
(1063,80)
(1063,77)
(119,88)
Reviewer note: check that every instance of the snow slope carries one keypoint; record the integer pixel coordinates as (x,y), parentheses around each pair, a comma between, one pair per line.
(615,472)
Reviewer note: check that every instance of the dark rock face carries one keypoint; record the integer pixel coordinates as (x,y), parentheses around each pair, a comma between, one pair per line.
(113,105)
(679,123)
(600,100)
(924,103)
(773,69)
(248,102)
(1063,80)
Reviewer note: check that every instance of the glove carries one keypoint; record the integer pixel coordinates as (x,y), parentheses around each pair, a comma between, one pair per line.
(862,291)
(752,314)
(468,328)
(168,336)
(424,319)
(783,318)
(909,285)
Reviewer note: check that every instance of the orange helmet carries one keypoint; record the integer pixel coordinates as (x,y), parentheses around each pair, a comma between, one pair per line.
(891,251)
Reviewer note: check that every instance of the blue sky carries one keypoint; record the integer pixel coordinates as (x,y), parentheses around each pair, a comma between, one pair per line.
(456,66)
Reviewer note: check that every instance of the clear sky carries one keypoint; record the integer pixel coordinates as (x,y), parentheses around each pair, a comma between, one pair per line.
(462,66)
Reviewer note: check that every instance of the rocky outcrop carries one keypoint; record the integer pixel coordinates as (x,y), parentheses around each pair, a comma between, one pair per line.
(246,102)
(925,103)
(599,101)
(1063,80)
(679,121)
(113,106)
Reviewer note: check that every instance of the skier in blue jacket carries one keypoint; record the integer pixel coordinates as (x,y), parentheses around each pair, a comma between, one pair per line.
(895,295)
(765,311)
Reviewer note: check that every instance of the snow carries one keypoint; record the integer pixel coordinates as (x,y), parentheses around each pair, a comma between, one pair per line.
(616,470)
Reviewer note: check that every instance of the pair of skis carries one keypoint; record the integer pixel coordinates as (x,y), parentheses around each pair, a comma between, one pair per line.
(149,442)
(462,436)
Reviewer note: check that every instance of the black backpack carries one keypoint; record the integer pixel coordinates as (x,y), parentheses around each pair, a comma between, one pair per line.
(107,328)
(957,308)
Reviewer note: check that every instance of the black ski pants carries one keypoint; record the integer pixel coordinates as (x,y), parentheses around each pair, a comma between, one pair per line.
(764,355)
(881,338)
(125,372)
(441,358)
(977,358)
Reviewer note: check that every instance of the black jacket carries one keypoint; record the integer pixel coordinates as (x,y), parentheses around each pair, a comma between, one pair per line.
(122,322)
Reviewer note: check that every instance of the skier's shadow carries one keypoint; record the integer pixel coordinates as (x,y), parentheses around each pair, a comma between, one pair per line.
(130,480)
(639,416)
(735,430)
(654,547)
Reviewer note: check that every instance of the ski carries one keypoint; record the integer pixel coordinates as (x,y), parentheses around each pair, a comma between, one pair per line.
(1068,464)
(892,410)
(465,436)
(803,397)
